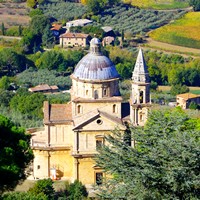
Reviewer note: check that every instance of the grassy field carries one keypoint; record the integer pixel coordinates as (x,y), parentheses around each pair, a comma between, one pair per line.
(194,90)
(159,4)
(182,32)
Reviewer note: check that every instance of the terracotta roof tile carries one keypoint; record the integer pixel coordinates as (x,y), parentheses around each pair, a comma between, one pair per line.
(187,96)
(74,35)
(57,113)
(56,27)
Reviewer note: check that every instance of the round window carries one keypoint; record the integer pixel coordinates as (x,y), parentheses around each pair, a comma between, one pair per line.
(99,121)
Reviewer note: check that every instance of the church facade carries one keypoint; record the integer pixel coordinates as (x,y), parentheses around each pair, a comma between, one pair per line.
(72,132)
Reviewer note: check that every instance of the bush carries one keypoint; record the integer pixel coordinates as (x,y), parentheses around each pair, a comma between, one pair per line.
(45,187)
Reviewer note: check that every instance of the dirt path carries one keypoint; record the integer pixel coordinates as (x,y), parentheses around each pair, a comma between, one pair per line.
(172,48)
(10,37)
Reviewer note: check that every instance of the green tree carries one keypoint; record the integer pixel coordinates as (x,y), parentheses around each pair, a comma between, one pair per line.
(193,105)
(4,83)
(15,154)
(47,37)
(45,187)
(11,62)
(195,4)
(3,31)
(29,104)
(77,191)
(20,30)
(164,164)
(35,12)
(179,89)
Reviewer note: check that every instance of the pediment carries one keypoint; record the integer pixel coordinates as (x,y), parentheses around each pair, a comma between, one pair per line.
(99,121)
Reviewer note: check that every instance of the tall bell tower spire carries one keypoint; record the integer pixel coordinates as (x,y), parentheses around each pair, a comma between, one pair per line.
(140,94)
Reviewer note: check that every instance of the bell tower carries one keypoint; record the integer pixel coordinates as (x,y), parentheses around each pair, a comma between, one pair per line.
(140,94)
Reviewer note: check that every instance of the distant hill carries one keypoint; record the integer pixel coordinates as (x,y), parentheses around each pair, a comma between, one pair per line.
(182,32)
(159,4)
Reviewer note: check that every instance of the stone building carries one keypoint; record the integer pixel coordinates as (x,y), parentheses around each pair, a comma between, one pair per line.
(184,100)
(72,131)
(69,39)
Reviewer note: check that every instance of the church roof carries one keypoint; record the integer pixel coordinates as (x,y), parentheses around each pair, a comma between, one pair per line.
(57,113)
(95,66)
(86,118)
(140,72)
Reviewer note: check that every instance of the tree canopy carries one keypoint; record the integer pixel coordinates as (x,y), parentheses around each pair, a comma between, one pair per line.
(15,154)
(164,164)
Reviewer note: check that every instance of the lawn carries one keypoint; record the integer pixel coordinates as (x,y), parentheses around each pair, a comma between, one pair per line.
(159,4)
(182,32)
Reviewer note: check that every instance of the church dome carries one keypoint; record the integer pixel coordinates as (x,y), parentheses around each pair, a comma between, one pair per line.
(95,66)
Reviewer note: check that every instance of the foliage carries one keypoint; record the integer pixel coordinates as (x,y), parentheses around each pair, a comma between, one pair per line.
(11,62)
(193,105)
(182,32)
(5,97)
(28,103)
(15,154)
(77,191)
(172,69)
(61,10)
(23,196)
(161,4)
(195,4)
(89,29)
(32,78)
(4,83)
(3,29)
(14,31)
(128,18)
(44,186)
(164,164)
(47,37)
(58,98)
(35,12)
(123,59)
(179,89)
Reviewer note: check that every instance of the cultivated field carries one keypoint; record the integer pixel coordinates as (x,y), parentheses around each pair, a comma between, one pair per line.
(194,90)
(159,4)
(13,14)
(182,32)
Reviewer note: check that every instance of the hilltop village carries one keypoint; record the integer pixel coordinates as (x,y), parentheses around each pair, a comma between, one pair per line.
(99,99)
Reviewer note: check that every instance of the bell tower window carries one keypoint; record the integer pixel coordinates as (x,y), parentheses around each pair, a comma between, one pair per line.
(86,92)
(114,108)
(79,109)
(141,96)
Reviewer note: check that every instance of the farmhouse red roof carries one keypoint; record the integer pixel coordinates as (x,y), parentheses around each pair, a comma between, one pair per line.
(74,35)
(43,87)
(56,27)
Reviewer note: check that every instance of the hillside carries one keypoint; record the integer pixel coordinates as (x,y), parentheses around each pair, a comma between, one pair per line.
(12,14)
(182,32)
(159,4)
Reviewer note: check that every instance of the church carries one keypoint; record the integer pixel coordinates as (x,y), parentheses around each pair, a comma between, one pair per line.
(65,149)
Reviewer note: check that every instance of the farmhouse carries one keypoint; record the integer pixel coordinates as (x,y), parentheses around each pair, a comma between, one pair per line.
(73,39)
(184,100)
(45,88)
(73,131)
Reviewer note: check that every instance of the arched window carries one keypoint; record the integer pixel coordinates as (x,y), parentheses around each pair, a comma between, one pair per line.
(86,92)
(141,96)
(96,96)
(114,108)
(104,92)
(79,109)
